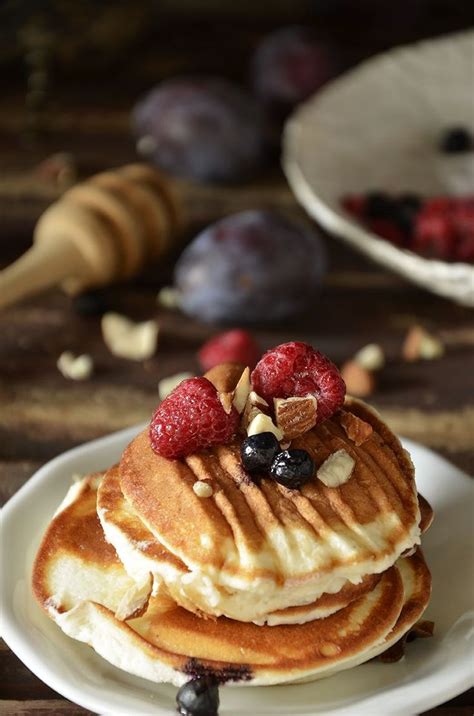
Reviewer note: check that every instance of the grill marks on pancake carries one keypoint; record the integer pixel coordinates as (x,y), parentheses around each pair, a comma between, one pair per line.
(234,509)
(121,514)
(267,530)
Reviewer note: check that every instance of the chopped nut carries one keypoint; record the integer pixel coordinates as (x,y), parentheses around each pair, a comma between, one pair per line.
(135,600)
(262,423)
(295,416)
(421,345)
(225,376)
(202,489)
(254,405)
(168,297)
(370,357)
(242,391)
(59,169)
(167,385)
(226,400)
(75,367)
(356,429)
(127,339)
(359,381)
(146,145)
(336,469)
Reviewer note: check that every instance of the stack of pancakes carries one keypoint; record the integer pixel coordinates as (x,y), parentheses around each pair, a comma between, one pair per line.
(257,583)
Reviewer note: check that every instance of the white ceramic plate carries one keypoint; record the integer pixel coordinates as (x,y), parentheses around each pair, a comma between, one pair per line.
(433,671)
(377,127)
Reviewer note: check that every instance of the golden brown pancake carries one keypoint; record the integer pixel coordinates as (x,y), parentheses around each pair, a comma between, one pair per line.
(141,554)
(286,546)
(168,643)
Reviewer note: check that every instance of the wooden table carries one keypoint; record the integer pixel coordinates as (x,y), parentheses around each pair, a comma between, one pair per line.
(42,414)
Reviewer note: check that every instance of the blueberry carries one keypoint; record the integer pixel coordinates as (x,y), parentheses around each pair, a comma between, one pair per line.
(258,452)
(201,127)
(90,303)
(292,468)
(198,697)
(456,140)
(379,205)
(405,211)
(248,267)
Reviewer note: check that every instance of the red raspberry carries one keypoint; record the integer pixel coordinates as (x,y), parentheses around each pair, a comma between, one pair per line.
(235,346)
(190,419)
(387,230)
(296,369)
(435,234)
(354,204)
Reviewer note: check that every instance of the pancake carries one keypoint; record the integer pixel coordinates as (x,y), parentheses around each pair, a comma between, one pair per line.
(286,547)
(142,554)
(168,643)
(74,562)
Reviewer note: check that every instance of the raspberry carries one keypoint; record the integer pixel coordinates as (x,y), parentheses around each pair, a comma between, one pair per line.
(235,346)
(387,230)
(435,233)
(297,369)
(355,204)
(190,419)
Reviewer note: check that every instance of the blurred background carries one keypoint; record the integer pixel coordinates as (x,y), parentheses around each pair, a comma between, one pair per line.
(75,102)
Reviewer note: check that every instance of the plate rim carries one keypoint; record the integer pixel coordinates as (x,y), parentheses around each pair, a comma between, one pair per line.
(14,636)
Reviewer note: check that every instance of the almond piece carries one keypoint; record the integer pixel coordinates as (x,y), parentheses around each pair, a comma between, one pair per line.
(75,367)
(202,488)
(371,357)
(359,381)
(135,600)
(356,429)
(421,345)
(168,297)
(242,391)
(226,401)
(262,423)
(254,405)
(337,469)
(127,339)
(295,416)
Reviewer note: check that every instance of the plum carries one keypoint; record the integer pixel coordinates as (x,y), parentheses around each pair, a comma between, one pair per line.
(248,267)
(288,66)
(203,128)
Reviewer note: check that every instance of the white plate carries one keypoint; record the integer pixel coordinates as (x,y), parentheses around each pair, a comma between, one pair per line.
(433,671)
(377,127)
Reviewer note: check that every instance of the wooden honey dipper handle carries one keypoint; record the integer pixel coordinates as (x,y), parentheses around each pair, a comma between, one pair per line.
(102,230)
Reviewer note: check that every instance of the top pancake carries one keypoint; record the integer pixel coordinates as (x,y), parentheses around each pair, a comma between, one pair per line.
(268,538)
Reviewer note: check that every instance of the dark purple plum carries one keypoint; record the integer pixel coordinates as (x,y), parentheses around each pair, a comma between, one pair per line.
(288,66)
(249,267)
(201,127)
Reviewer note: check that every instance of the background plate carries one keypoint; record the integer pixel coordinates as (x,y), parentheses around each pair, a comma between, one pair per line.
(378,127)
(433,671)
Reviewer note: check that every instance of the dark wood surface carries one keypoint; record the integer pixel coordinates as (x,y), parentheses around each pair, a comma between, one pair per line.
(42,414)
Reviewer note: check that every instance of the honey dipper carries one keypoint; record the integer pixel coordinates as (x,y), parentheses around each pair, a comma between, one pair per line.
(101,230)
